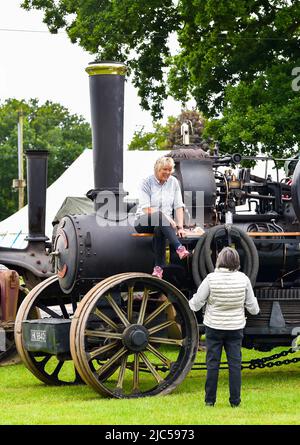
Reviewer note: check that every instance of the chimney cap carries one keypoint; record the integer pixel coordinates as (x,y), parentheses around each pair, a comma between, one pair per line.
(37,153)
(98,68)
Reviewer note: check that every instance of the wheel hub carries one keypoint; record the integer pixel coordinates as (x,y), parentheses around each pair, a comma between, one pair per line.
(135,337)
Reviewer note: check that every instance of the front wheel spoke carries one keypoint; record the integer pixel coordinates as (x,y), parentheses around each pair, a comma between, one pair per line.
(158,354)
(91,355)
(157,311)
(166,341)
(105,334)
(111,361)
(78,378)
(151,368)
(57,369)
(105,318)
(161,326)
(74,303)
(117,310)
(122,373)
(136,373)
(63,308)
(42,364)
(48,310)
(143,307)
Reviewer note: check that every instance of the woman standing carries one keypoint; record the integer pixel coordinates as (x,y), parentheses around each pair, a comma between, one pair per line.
(226,293)
(159,198)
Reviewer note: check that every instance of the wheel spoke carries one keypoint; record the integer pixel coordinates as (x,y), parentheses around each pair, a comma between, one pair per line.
(111,361)
(122,373)
(151,368)
(48,310)
(105,318)
(74,304)
(45,359)
(161,326)
(157,311)
(136,375)
(166,341)
(57,369)
(42,364)
(143,307)
(130,303)
(158,354)
(105,334)
(91,355)
(63,307)
(117,310)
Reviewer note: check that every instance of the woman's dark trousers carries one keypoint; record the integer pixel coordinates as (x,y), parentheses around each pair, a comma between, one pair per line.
(231,340)
(162,230)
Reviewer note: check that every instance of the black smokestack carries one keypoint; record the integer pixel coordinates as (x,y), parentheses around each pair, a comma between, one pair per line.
(37,162)
(107,113)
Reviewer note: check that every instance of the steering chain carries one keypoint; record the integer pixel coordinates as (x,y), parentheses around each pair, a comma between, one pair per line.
(263,362)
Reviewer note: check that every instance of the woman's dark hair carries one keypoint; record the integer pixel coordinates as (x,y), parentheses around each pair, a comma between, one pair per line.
(228,258)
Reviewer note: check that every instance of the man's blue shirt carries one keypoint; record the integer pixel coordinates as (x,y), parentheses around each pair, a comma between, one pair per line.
(165,197)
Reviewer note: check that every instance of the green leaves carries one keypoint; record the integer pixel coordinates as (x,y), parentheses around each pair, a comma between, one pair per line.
(260,115)
(50,127)
(133,31)
(165,137)
(235,58)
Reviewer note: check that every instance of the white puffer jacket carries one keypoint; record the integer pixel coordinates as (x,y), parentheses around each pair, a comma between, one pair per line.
(226,295)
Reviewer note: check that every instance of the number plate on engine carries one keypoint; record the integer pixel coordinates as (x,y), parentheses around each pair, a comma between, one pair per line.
(38,335)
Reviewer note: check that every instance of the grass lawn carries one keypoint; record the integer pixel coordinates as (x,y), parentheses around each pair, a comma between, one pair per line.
(270,396)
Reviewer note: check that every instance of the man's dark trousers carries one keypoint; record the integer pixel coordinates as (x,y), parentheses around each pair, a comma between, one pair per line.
(231,340)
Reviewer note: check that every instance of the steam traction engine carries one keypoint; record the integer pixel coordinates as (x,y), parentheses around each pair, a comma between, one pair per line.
(102,317)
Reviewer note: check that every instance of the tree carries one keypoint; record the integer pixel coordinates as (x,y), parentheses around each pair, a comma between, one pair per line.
(153,140)
(235,57)
(133,31)
(50,127)
(196,122)
(166,137)
(238,58)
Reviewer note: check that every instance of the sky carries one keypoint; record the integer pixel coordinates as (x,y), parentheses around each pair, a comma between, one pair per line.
(37,64)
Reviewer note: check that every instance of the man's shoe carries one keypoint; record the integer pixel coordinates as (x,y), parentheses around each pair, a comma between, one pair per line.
(182,252)
(209,404)
(157,272)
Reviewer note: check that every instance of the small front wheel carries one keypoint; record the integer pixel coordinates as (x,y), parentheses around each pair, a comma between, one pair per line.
(48,299)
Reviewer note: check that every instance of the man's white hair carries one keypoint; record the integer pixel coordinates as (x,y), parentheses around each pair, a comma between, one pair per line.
(163,162)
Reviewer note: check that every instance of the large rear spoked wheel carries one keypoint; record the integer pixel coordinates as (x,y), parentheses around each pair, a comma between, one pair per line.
(45,300)
(133,335)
